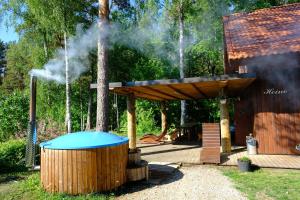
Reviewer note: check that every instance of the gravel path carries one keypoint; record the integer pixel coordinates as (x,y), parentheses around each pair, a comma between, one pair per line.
(191,183)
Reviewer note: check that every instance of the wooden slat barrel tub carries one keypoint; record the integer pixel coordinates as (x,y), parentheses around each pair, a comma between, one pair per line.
(84,162)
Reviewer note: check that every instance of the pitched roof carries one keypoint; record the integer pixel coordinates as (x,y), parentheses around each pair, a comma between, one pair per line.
(263,32)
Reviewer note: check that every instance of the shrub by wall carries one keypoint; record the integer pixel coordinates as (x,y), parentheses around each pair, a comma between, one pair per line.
(13,114)
(12,154)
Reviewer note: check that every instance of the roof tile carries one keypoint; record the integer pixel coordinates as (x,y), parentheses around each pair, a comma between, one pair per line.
(263,32)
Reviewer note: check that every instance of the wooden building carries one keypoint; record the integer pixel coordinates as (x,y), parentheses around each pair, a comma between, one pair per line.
(266,42)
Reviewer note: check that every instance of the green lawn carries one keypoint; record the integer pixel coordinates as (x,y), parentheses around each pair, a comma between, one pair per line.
(266,183)
(29,188)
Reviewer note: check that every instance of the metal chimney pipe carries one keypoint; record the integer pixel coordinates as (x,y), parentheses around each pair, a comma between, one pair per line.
(31,135)
(32,109)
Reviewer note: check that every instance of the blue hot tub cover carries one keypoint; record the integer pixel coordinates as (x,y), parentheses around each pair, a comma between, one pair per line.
(84,140)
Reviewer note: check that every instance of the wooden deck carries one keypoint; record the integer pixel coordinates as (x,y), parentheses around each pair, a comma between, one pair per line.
(190,154)
(183,153)
(271,161)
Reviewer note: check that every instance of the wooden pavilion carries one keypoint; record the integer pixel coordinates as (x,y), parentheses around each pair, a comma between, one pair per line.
(222,87)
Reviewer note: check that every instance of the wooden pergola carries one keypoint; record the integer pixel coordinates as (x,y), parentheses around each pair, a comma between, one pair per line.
(222,86)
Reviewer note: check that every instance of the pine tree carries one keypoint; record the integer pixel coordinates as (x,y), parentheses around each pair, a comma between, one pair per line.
(102,65)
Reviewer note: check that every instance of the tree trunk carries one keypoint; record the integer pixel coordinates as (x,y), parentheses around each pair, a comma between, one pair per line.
(102,75)
(81,107)
(45,45)
(89,113)
(181,60)
(117,110)
(68,88)
(90,101)
(163,111)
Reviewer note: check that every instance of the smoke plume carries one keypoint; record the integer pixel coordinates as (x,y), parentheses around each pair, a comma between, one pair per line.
(79,47)
(152,36)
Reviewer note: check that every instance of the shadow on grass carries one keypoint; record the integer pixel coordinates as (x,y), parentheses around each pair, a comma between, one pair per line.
(254,167)
(14,176)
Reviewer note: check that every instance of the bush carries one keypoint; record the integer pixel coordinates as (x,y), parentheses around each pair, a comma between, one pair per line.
(13,114)
(145,120)
(12,154)
(244,159)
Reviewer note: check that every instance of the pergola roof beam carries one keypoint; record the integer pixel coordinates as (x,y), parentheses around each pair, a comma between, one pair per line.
(182,93)
(147,94)
(161,92)
(198,90)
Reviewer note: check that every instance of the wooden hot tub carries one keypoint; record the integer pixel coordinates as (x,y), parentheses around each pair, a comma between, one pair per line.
(84,162)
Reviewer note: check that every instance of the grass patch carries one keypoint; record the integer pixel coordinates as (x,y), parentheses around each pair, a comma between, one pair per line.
(30,188)
(274,183)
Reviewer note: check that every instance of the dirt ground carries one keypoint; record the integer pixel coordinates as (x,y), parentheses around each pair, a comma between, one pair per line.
(188,182)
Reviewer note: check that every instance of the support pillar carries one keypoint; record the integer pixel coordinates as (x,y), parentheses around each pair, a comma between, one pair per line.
(137,169)
(131,122)
(163,112)
(224,124)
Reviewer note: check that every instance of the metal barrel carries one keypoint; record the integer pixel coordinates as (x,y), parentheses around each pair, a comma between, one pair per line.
(251,145)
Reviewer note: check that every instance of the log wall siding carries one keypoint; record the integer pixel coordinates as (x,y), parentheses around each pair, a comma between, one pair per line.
(274,119)
(85,170)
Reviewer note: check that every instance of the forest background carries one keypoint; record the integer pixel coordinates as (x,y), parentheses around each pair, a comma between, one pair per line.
(144,45)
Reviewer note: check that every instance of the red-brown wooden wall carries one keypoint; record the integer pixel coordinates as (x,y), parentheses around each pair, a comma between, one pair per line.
(274,119)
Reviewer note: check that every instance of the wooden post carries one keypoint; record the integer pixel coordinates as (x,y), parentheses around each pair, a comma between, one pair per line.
(131,122)
(224,124)
(137,169)
(163,111)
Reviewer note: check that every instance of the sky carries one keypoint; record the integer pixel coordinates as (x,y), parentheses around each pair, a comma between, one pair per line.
(7,34)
